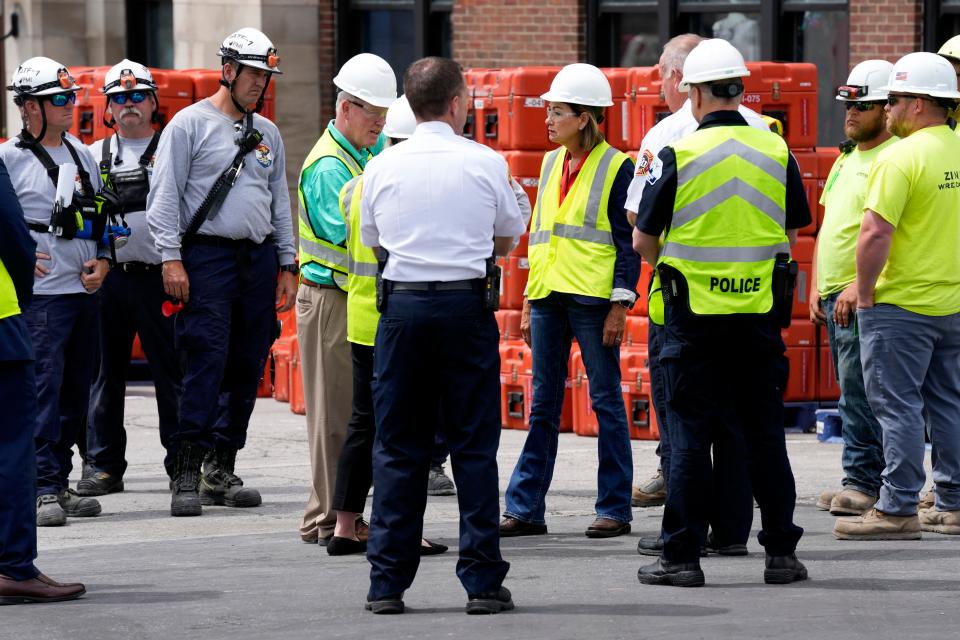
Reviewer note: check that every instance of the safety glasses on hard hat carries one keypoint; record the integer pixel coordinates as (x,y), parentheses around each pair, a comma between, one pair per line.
(61,99)
(860,105)
(136,97)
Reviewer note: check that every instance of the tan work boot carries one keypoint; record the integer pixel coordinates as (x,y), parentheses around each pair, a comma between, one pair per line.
(947,522)
(927,500)
(826,497)
(851,502)
(877,525)
(651,493)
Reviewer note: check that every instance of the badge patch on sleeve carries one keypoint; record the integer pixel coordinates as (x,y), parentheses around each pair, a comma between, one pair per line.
(643,163)
(655,171)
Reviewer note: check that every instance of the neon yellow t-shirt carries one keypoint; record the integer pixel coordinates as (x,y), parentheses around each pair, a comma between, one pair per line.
(915,186)
(842,199)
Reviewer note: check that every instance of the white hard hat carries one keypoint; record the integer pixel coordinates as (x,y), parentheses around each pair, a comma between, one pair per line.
(251,48)
(401,122)
(370,78)
(581,84)
(41,76)
(923,73)
(712,59)
(865,82)
(128,75)
(951,49)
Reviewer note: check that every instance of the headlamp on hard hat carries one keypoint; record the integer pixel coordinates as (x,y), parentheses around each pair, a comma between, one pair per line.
(65,79)
(853,92)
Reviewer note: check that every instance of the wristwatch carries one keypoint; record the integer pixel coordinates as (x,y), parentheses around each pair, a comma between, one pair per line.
(290,268)
(626,304)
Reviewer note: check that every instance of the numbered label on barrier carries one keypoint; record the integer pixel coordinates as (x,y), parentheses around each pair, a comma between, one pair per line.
(534,103)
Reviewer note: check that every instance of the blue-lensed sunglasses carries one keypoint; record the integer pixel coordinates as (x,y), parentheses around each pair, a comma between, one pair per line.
(136,97)
(61,99)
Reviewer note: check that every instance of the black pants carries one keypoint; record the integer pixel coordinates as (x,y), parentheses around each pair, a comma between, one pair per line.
(435,349)
(355,465)
(130,305)
(725,381)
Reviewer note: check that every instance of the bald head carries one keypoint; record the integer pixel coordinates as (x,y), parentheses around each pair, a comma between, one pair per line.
(674,54)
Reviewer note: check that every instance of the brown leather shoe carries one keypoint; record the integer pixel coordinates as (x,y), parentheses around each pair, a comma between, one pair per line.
(607,528)
(39,589)
(511,528)
(363,530)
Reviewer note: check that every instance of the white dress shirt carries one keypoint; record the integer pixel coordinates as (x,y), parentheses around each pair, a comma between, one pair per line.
(435,203)
(672,128)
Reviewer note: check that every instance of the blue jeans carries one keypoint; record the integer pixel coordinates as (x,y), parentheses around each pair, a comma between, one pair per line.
(862,457)
(553,322)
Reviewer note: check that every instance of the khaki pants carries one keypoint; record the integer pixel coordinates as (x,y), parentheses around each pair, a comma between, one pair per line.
(328,393)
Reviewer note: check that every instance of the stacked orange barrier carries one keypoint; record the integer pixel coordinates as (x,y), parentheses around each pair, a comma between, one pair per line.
(297,403)
(282,353)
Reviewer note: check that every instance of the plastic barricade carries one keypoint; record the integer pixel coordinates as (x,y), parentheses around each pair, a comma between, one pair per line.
(808,161)
(90,106)
(525,169)
(641,307)
(616,124)
(174,92)
(513,281)
(802,252)
(826,157)
(516,385)
(298,404)
(282,352)
(137,352)
(265,388)
(637,397)
(801,340)
(647,106)
(635,333)
(584,419)
(786,91)
(828,388)
(206,82)
(481,125)
(519,121)
(508,322)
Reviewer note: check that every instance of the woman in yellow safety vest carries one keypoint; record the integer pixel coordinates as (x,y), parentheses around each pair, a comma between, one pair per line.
(583,272)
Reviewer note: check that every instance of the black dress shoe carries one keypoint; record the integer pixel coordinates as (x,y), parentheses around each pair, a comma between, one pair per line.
(492,602)
(784,569)
(511,528)
(677,574)
(432,548)
(650,546)
(345,546)
(724,549)
(386,604)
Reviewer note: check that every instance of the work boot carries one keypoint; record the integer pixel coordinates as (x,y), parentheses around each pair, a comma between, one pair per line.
(826,497)
(851,502)
(947,522)
(49,511)
(675,574)
(651,493)
(76,506)
(715,546)
(438,484)
(877,525)
(927,500)
(99,484)
(783,569)
(185,500)
(219,485)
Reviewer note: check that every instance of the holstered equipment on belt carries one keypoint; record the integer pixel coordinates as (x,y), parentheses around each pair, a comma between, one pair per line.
(784,283)
(491,285)
(382,293)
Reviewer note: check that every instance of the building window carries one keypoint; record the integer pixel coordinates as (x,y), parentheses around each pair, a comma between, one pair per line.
(630,39)
(941,22)
(150,32)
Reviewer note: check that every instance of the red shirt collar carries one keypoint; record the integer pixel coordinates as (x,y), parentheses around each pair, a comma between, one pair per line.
(568,177)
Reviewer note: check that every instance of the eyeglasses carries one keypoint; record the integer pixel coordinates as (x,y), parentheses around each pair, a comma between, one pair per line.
(373,113)
(860,105)
(136,97)
(61,99)
(559,115)
(894,99)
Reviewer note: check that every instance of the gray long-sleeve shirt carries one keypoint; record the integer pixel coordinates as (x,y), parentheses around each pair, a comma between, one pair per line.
(196,147)
(36,193)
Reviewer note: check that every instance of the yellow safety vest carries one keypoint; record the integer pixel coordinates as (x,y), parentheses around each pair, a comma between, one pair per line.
(9,306)
(571,246)
(312,247)
(728,218)
(362,314)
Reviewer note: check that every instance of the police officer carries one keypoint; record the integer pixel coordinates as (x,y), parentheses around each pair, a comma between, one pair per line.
(440,206)
(732,512)
(219,212)
(908,303)
(71,264)
(728,196)
(20,581)
(132,293)
(833,294)
(367,87)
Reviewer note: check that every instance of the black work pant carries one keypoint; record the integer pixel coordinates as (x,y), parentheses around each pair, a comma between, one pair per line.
(130,304)
(725,381)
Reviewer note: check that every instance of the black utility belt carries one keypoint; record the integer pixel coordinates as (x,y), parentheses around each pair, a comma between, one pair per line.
(476,284)
(137,267)
(199,240)
(39,228)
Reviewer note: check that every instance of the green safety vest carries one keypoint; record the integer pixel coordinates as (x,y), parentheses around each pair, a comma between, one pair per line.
(571,246)
(728,218)
(362,314)
(312,247)
(9,306)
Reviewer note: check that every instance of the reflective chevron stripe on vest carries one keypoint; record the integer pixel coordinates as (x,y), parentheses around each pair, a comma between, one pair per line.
(571,247)
(728,218)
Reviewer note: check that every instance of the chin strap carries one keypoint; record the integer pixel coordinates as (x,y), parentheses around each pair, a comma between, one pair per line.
(27,139)
(245,109)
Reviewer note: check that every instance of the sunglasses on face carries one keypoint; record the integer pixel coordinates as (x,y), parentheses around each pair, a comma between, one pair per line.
(860,105)
(61,99)
(136,97)
(370,111)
